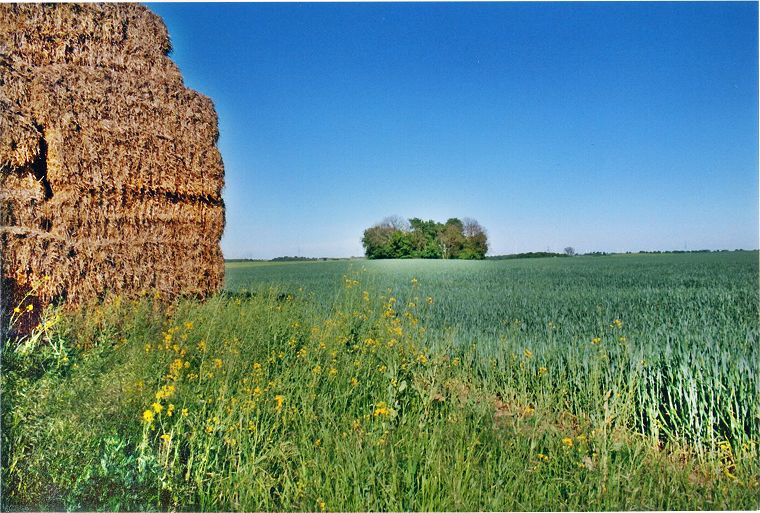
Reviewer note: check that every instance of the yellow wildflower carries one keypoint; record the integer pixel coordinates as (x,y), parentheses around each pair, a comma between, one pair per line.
(184,412)
(567,441)
(147,416)
(333,371)
(381,409)
(596,340)
(17,310)
(166,437)
(29,308)
(280,399)
(157,407)
(218,363)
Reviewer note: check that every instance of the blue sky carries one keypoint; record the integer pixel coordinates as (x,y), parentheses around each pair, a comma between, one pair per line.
(603,126)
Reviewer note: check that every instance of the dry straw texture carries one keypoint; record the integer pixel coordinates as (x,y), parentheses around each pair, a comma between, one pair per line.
(110,178)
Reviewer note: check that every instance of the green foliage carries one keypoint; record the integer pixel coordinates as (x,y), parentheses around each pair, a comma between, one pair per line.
(377,242)
(348,389)
(465,240)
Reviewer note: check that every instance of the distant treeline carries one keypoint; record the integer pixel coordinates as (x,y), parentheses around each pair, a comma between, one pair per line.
(305,259)
(678,251)
(570,252)
(657,252)
(396,237)
(288,259)
(532,254)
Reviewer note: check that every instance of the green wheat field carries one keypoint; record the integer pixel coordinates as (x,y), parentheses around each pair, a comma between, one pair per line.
(587,383)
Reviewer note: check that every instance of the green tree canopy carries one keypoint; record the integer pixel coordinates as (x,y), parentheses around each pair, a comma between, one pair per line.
(396,237)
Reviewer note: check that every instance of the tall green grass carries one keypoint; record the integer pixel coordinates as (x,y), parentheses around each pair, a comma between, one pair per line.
(399,386)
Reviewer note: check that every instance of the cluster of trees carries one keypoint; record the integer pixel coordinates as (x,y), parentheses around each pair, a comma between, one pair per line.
(396,237)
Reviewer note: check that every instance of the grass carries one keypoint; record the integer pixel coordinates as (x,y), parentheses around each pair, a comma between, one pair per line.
(612,383)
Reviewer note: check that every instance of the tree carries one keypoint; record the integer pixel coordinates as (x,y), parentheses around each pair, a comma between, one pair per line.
(471,228)
(423,236)
(454,221)
(451,239)
(401,245)
(570,251)
(376,242)
(475,240)
(397,223)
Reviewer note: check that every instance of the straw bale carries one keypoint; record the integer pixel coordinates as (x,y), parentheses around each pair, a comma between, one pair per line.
(110,177)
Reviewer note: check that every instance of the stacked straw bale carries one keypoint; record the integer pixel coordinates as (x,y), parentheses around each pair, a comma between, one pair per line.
(110,177)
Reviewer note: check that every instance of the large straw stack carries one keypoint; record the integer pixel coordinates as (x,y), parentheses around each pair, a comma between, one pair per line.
(110,178)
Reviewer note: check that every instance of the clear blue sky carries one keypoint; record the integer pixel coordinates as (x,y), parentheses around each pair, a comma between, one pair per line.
(607,127)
